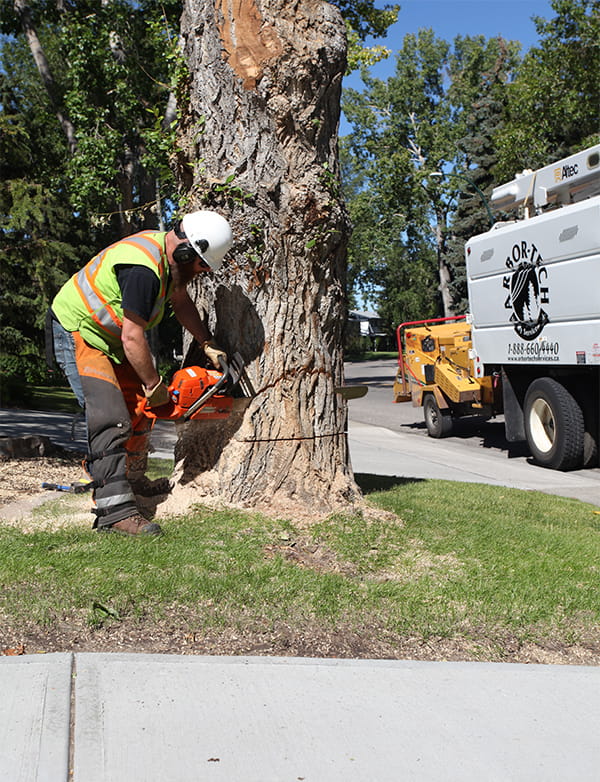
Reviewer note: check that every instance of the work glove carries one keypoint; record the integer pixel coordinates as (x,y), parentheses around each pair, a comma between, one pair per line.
(157,395)
(214,353)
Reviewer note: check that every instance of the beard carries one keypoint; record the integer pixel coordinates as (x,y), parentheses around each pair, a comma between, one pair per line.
(182,273)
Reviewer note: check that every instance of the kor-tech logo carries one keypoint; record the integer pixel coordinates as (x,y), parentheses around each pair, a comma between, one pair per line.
(528,290)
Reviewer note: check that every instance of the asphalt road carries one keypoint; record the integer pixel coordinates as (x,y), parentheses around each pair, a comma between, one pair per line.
(385,439)
(377,408)
(477,447)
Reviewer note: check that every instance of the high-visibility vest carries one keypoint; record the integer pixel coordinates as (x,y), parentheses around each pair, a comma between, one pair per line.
(90,302)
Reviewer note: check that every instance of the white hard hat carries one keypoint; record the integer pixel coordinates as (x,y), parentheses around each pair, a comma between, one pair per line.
(209,234)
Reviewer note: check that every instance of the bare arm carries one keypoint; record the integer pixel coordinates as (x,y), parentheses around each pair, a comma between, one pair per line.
(187,314)
(137,350)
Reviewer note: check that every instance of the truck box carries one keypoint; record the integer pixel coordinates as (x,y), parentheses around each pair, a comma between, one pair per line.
(534,288)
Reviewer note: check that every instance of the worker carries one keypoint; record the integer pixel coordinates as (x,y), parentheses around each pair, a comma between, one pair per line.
(99,320)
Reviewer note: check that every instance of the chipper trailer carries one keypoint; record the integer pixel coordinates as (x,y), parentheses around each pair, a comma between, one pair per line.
(529,348)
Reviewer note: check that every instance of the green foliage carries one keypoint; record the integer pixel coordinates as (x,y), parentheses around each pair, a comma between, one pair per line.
(360,56)
(366,20)
(553,103)
(122,63)
(35,263)
(474,111)
(480,71)
(38,232)
(403,130)
(113,65)
(363,20)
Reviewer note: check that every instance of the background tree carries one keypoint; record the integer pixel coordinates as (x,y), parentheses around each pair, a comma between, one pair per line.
(105,68)
(41,237)
(553,103)
(480,71)
(403,130)
(85,132)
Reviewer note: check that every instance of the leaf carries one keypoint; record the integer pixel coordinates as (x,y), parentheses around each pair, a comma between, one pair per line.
(15,651)
(106,610)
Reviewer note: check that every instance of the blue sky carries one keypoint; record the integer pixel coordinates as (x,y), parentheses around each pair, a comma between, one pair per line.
(449,18)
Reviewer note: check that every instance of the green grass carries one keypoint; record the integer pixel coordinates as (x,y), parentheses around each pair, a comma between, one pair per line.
(54,398)
(158,468)
(461,560)
(471,555)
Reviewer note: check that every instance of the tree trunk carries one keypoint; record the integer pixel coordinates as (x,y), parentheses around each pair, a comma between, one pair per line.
(23,11)
(260,146)
(443,270)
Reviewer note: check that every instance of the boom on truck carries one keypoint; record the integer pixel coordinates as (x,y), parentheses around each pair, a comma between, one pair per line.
(530,345)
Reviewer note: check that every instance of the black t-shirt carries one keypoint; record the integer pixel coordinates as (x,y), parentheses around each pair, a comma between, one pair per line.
(139,289)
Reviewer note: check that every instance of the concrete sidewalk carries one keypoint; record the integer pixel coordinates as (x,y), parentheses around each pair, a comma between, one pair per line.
(143,718)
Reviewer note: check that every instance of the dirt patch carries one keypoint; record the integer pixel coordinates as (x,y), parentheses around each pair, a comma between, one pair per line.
(180,634)
(305,553)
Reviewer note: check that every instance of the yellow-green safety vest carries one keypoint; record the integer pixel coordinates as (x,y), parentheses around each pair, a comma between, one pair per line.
(90,302)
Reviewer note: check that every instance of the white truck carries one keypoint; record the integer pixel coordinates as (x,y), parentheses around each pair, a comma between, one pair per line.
(533,331)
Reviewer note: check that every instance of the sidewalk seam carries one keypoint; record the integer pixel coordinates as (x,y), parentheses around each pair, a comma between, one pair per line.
(71,771)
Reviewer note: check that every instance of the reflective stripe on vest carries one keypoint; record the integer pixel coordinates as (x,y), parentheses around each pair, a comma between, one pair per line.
(95,302)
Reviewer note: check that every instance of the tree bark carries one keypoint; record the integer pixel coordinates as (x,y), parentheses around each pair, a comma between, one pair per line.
(443,269)
(259,145)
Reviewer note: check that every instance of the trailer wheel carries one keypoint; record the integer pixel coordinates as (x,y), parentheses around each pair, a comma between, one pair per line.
(438,423)
(553,425)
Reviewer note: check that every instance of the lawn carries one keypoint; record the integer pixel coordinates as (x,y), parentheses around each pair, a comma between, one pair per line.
(440,569)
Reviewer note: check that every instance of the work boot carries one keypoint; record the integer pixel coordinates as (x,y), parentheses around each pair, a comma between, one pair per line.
(134,525)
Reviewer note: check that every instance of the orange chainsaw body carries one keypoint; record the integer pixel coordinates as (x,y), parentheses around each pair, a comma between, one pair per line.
(187,386)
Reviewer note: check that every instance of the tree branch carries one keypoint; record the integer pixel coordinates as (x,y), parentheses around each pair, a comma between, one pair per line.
(23,11)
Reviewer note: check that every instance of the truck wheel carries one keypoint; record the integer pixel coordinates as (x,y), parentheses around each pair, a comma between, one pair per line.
(553,425)
(438,424)
(590,450)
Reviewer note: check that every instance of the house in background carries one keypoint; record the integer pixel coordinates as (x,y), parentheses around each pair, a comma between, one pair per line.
(365,331)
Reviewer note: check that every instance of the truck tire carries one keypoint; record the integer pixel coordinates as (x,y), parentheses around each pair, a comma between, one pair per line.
(438,423)
(553,425)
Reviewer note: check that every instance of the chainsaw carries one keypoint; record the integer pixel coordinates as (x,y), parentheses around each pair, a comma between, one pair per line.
(196,393)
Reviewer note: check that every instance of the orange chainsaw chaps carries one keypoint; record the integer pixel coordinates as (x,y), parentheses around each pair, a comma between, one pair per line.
(187,386)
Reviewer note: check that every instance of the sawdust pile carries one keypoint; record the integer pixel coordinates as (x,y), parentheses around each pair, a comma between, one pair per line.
(22,478)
